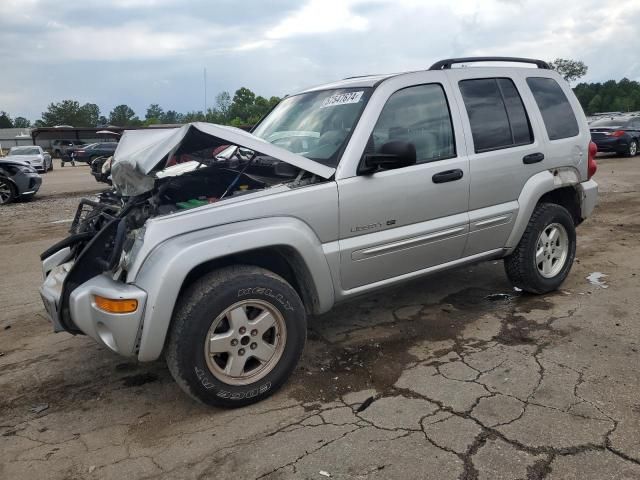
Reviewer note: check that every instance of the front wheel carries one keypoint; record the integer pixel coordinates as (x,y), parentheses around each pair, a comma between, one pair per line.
(545,254)
(7,191)
(236,336)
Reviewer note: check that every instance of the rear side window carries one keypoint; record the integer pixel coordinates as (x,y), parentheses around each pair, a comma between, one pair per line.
(497,116)
(556,110)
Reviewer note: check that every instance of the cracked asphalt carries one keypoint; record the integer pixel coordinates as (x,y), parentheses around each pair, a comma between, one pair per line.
(455,376)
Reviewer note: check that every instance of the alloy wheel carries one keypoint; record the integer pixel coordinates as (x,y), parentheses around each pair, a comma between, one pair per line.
(552,249)
(245,342)
(6,192)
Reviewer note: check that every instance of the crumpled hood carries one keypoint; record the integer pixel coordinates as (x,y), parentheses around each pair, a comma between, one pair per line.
(142,152)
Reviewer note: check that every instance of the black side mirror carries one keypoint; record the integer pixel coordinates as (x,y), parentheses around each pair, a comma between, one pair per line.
(394,154)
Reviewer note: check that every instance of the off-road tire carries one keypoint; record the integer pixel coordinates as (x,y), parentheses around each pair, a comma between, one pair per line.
(194,314)
(520,265)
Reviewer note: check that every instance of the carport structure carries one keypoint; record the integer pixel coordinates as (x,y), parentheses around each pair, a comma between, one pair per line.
(40,135)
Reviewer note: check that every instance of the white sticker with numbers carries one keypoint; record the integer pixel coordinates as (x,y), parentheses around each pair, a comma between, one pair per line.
(342,99)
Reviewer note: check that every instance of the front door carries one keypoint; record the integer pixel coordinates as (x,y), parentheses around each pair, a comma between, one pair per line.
(399,221)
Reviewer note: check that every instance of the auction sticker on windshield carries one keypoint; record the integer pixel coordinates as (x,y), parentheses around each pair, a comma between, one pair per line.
(342,99)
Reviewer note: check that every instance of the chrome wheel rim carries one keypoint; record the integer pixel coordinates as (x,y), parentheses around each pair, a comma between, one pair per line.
(245,342)
(633,148)
(5,192)
(552,249)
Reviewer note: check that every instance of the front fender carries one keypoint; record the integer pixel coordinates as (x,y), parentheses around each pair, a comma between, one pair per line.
(165,269)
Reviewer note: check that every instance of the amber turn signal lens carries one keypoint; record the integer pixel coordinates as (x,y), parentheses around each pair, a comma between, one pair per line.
(116,306)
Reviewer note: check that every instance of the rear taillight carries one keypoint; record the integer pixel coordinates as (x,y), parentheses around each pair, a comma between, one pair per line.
(617,133)
(592,166)
(79,151)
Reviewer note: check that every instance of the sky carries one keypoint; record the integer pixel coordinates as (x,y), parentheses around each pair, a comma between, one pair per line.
(140,52)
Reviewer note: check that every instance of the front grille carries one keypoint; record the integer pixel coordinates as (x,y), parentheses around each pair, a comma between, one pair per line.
(91,216)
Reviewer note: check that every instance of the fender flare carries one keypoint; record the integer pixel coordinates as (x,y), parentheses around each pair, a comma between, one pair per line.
(538,185)
(165,269)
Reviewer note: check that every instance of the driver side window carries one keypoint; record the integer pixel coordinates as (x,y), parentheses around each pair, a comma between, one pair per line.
(419,115)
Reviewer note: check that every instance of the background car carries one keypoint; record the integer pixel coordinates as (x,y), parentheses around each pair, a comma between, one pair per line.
(619,134)
(60,148)
(32,155)
(90,152)
(101,169)
(17,180)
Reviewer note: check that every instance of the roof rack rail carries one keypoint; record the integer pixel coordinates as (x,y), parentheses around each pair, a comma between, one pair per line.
(446,63)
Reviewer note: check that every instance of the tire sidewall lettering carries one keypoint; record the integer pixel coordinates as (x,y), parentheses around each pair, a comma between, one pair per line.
(267,292)
(252,392)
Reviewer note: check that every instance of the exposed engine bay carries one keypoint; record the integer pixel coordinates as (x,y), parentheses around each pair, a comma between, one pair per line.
(189,176)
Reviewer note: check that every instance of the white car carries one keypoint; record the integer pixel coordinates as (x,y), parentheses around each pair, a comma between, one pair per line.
(34,156)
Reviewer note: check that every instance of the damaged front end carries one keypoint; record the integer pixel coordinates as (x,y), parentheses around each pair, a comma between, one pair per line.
(155,173)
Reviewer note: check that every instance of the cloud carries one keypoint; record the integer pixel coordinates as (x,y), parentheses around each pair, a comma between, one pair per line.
(153,51)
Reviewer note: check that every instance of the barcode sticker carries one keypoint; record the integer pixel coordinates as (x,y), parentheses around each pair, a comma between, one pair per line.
(342,99)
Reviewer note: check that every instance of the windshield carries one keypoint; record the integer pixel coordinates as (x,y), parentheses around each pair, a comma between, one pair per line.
(610,122)
(315,125)
(24,151)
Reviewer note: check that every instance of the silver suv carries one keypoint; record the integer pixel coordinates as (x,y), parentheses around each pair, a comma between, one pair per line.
(217,243)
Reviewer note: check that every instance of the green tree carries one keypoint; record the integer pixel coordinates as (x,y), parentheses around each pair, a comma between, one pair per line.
(123,116)
(70,112)
(154,113)
(171,116)
(569,69)
(5,120)
(21,122)
(595,105)
(223,104)
(242,105)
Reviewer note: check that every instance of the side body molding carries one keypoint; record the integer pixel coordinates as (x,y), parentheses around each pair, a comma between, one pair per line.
(175,258)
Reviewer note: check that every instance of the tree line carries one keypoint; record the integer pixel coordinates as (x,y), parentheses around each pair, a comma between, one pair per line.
(244,108)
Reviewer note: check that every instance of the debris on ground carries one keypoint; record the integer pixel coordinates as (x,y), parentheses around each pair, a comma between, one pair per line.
(595,278)
(324,474)
(494,297)
(41,407)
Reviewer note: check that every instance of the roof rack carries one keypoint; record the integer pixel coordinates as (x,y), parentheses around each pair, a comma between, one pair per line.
(446,63)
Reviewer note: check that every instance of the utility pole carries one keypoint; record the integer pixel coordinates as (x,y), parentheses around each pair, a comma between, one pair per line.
(205,94)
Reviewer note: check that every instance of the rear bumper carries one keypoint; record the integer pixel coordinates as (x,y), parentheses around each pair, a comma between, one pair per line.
(588,197)
(118,332)
(612,144)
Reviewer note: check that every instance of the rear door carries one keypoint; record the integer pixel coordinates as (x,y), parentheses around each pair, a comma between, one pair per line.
(395,222)
(504,151)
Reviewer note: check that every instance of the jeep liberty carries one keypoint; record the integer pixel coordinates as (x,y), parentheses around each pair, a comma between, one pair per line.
(215,262)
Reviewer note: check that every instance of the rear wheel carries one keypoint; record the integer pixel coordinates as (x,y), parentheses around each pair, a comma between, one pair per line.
(236,336)
(633,149)
(543,258)
(7,191)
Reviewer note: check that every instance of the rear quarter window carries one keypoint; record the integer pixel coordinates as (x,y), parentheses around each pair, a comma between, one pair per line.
(558,116)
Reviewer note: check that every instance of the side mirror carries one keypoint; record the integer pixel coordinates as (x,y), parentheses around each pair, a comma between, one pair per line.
(394,154)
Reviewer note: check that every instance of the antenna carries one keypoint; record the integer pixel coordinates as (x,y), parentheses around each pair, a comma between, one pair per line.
(205,94)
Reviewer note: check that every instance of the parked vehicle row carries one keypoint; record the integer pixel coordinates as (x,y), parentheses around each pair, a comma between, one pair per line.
(617,134)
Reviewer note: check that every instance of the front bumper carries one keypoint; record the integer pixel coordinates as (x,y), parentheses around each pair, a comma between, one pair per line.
(35,181)
(117,331)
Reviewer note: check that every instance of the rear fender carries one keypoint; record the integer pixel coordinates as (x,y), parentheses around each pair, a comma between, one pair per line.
(533,190)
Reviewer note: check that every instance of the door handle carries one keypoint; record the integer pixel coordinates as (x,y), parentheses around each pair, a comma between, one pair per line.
(533,158)
(447,176)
